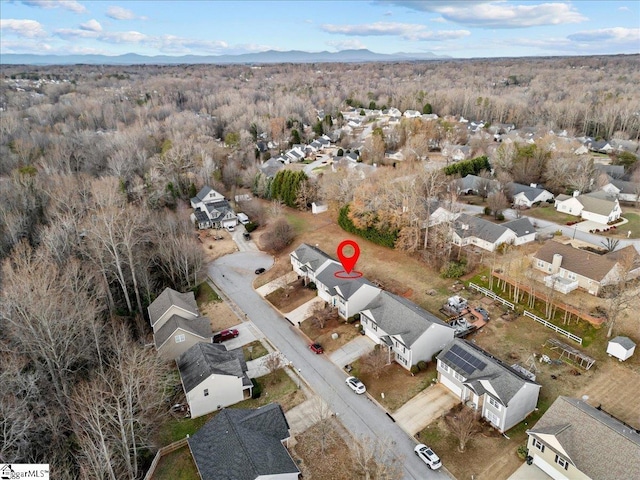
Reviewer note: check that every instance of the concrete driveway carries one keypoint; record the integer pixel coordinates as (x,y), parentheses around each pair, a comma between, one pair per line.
(302,312)
(247,333)
(353,350)
(424,408)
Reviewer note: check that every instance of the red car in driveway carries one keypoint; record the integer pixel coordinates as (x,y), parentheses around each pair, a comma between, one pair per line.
(225,335)
(316,348)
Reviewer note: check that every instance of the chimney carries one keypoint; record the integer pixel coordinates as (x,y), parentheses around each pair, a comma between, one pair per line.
(555,264)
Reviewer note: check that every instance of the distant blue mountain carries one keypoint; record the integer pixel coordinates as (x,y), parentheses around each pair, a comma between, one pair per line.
(270,56)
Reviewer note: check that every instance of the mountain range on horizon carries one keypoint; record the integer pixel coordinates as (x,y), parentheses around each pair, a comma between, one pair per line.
(270,56)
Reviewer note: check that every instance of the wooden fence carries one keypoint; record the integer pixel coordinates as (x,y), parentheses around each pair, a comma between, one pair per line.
(162,452)
(489,293)
(550,325)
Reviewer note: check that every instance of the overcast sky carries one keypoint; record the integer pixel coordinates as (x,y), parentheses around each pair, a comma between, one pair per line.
(460,29)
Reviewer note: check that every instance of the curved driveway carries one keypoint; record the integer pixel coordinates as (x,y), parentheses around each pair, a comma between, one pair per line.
(234,275)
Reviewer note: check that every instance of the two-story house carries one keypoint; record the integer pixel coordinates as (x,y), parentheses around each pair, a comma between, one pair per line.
(176,323)
(568,268)
(575,441)
(213,377)
(306,260)
(212,210)
(503,395)
(410,333)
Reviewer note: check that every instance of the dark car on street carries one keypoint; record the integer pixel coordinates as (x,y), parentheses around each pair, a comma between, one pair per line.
(225,335)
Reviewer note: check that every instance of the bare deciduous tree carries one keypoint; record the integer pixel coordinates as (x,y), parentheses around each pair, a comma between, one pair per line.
(375,361)
(464,425)
(375,460)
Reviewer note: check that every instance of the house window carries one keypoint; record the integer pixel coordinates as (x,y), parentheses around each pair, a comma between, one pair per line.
(540,264)
(562,462)
(458,377)
(492,417)
(206,392)
(571,276)
(445,367)
(539,445)
(180,338)
(494,403)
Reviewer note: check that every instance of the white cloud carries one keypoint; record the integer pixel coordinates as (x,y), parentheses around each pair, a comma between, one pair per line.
(22,28)
(71,5)
(624,9)
(92,26)
(351,44)
(408,31)
(109,37)
(499,13)
(119,13)
(613,35)
(175,44)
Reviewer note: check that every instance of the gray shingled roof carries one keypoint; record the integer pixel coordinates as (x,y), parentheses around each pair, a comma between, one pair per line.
(504,380)
(243,445)
(312,256)
(400,317)
(592,203)
(597,444)
(624,342)
(218,209)
(202,194)
(478,227)
(200,326)
(521,226)
(169,297)
(530,192)
(206,359)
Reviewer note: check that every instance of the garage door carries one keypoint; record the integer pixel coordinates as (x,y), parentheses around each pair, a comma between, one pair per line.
(450,385)
(548,469)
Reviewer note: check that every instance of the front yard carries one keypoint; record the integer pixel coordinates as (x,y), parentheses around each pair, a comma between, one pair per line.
(548,212)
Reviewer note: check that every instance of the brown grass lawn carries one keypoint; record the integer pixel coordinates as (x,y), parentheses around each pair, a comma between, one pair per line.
(290,297)
(335,463)
(345,331)
(396,383)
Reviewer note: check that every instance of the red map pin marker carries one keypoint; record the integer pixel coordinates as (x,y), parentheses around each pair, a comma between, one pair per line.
(348,262)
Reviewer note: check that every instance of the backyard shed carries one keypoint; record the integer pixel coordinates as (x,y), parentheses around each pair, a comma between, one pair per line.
(621,348)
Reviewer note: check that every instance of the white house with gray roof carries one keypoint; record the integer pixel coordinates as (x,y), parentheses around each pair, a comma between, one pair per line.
(176,323)
(527,195)
(213,377)
(212,210)
(348,295)
(575,441)
(503,395)
(470,230)
(244,444)
(410,333)
(307,259)
(593,206)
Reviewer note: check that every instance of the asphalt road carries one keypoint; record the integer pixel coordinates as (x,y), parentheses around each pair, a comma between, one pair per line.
(234,275)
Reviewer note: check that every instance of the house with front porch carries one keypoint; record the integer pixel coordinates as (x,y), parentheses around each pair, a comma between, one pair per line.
(501,394)
(576,441)
(597,206)
(213,377)
(409,333)
(569,268)
(212,210)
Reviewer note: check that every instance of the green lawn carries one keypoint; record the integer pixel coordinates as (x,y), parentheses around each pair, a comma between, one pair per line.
(633,224)
(298,223)
(548,212)
(257,350)
(176,465)
(206,294)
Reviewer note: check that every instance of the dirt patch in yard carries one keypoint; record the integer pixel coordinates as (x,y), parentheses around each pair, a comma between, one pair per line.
(220,315)
(345,331)
(216,243)
(290,296)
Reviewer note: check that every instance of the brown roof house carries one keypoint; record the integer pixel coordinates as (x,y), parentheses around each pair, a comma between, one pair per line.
(569,268)
(177,324)
(574,440)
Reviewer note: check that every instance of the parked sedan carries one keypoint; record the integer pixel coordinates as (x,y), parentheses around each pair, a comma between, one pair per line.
(428,456)
(316,348)
(356,385)
(225,335)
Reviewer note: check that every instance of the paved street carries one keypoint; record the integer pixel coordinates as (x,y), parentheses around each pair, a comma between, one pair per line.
(234,274)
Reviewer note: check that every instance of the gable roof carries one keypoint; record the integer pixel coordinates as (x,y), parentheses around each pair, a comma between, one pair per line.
(478,227)
(399,317)
(202,194)
(521,226)
(240,444)
(592,203)
(596,443)
(218,209)
(206,359)
(624,342)
(531,193)
(309,255)
(167,299)
(582,262)
(200,326)
(483,372)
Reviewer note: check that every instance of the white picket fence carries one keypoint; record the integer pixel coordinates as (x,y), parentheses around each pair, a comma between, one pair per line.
(491,294)
(550,325)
